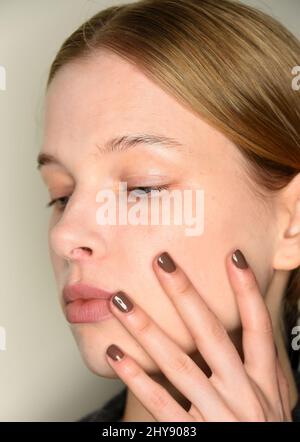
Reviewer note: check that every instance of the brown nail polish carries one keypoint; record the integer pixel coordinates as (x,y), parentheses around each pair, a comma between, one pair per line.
(166,263)
(114,352)
(239,259)
(122,302)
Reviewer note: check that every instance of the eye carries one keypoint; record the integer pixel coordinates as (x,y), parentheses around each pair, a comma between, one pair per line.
(148,189)
(60,202)
(63,200)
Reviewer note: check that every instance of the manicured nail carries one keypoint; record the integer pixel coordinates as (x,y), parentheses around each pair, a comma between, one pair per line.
(114,352)
(166,263)
(122,302)
(239,259)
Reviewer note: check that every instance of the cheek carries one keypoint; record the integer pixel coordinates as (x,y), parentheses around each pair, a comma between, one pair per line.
(242,222)
(238,223)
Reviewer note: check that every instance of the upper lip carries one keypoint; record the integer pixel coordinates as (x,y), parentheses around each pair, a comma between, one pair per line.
(84,291)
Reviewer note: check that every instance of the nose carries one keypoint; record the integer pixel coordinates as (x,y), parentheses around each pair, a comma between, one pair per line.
(76,235)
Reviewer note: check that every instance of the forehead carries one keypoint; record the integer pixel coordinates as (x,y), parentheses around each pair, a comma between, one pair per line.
(92,101)
(107,90)
(105,94)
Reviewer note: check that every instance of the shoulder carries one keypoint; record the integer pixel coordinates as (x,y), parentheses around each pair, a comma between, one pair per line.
(111,411)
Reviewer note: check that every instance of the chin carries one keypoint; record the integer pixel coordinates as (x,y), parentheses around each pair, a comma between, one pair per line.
(93,342)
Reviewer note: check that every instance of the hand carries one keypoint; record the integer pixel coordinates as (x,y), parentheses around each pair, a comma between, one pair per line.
(251,390)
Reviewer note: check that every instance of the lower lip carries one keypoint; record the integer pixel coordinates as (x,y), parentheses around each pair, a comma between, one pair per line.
(89,310)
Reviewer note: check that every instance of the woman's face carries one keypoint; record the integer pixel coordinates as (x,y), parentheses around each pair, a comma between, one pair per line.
(89,103)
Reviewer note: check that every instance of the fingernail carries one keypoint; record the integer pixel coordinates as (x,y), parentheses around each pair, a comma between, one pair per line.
(114,352)
(166,263)
(122,302)
(239,259)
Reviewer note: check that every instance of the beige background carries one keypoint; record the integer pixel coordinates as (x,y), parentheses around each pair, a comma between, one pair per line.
(42,376)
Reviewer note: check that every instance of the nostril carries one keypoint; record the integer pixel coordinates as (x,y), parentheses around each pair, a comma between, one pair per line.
(81,252)
(86,248)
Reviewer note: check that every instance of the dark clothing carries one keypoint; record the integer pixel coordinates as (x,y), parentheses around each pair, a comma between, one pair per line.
(113,409)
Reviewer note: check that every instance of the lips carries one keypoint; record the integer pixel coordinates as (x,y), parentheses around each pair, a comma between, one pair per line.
(85,303)
(84,291)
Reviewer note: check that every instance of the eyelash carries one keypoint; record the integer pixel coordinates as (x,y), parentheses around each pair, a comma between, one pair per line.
(158,188)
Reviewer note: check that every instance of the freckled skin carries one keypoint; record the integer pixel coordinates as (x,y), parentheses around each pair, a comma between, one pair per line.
(88,103)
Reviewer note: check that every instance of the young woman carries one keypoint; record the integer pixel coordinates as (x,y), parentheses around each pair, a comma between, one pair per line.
(186,95)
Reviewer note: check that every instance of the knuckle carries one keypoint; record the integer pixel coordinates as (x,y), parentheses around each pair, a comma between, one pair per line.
(159,399)
(217,330)
(143,325)
(182,364)
(261,323)
(266,323)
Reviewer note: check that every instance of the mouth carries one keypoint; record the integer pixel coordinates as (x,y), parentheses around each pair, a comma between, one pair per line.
(85,303)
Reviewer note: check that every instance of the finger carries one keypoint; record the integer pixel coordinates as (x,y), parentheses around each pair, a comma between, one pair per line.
(258,340)
(152,395)
(284,392)
(211,337)
(212,340)
(177,366)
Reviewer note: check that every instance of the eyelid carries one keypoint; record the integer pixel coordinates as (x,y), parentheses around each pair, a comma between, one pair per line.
(139,180)
(146,180)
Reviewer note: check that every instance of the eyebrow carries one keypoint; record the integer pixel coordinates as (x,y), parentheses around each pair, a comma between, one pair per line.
(121,144)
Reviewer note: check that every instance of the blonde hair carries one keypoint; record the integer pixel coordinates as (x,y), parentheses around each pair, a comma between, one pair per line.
(230,63)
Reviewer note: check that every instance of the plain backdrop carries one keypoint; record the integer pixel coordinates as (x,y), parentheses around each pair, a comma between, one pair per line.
(42,376)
